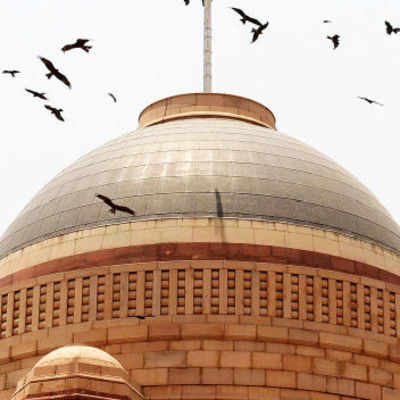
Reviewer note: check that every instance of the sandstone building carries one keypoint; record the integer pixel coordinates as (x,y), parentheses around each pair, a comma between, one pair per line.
(265,270)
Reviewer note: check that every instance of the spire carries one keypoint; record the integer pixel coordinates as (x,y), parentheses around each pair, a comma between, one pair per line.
(207,74)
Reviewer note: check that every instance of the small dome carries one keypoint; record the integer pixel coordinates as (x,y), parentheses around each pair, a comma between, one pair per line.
(86,354)
(191,159)
(61,371)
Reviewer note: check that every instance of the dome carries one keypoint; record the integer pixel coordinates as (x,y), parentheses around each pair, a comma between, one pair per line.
(77,372)
(78,353)
(199,156)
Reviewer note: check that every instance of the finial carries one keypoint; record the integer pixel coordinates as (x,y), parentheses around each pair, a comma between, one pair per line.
(207,77)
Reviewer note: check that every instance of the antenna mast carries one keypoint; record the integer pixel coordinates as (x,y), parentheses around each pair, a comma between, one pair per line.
(207,74)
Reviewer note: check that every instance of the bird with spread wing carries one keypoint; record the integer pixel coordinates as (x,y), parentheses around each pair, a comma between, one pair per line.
(37,94)
(246,18)
(79,44)
(11,72)
(335,40)
(369,101)
(113,97)
(257,32)
(56,112)
(113,206)
(54,71)
(390,29)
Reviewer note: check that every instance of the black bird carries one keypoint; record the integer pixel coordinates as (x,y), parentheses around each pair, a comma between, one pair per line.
(113,97)
(257,32)
(326,21)
(370,101)
(37,94)
(245,17)
(335,40)
(144,316)
(56,112)
(54,71)
(12,72)
(390,29)
(114,207)
(187,2)
(79,44)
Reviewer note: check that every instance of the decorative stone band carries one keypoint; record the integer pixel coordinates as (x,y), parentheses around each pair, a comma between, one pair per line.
(196,288)
(203,238)
(207,104)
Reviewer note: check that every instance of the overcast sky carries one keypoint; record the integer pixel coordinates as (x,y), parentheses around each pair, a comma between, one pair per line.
(144,50)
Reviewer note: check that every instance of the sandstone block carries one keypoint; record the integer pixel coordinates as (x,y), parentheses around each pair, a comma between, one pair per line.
(250,377)
(345,387)
(341,342)
(390,394)
(199,392)
(185,345)
(23,350)
(150,377)
(217,376)
(95,337)
(164,332)
(368,391)
(273,334)
(203,359)
(354,371)
(304,337)
(159,359)
(311,382)
(203,331)
(282,379)
(261,393)
(217,345)
(296,363)
(235,359)
(380,376)
(325,367)
(376,349)
(184,376)
(241,332)
(229,392)
(310,351)
(267,360)
(123,334)
(170,392)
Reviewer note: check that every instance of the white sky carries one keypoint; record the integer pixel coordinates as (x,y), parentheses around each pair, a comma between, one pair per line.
(144,50)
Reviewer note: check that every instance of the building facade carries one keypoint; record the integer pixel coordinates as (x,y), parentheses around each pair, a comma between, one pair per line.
(259,269)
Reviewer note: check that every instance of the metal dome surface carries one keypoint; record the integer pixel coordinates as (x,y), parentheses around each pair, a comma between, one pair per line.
(204,167)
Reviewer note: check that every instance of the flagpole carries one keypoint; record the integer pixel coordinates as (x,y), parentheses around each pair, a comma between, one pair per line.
(207,69)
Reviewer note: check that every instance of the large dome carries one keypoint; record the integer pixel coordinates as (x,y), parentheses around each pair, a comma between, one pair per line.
(206,164)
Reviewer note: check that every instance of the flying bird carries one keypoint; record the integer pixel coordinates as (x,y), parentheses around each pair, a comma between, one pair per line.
(335,40)
(54,71)
(326,21)
(370,101)
(37,94)
(114,207)
(113,97)
(12,72)
(390,29)
(56,112)
(79,44)
(257,32)
(187,2)
(245,17)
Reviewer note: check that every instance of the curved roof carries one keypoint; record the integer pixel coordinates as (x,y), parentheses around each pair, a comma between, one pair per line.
(204,167)
(90,355)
